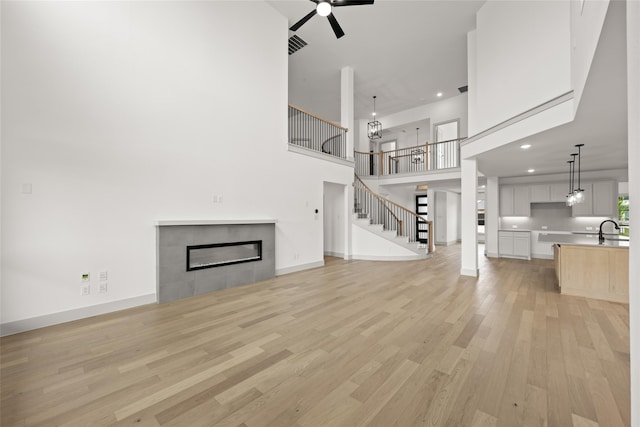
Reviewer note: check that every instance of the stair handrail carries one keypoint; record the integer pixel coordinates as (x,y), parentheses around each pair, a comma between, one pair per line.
(302,110)
(408,212)
(331,138)
(312,132)
(381,199)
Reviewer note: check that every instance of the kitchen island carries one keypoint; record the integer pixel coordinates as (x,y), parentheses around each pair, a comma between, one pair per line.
(588,269)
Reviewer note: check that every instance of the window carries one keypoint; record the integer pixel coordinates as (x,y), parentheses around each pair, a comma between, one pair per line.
(623,215)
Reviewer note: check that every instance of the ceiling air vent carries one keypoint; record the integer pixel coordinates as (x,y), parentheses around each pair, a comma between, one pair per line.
(295,44)
(462,89)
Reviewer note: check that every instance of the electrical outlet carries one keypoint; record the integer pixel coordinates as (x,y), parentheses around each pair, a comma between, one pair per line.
(104,275)
(85,290)
(85,277)
(544,227)
(103,287)
(514,226)
(589,228)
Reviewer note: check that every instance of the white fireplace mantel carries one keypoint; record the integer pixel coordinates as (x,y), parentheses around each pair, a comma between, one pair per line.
(170,222)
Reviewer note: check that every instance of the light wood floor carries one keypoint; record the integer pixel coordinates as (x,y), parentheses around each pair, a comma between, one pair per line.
(353,343)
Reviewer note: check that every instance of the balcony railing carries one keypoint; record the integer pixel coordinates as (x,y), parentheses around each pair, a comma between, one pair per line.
(419,158)
(314,133)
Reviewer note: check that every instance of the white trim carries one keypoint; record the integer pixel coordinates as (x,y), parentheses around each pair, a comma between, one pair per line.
(162,223)
(541,256)
(519,117)
(389,258)
(301,267)
(335,254)
(323,156)
(469,272)
(23,325)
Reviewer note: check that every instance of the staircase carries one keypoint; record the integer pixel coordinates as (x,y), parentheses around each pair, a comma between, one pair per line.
(391,221)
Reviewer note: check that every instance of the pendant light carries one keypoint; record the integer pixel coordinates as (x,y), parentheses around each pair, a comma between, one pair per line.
(374,127)
(578,192)
(570,196)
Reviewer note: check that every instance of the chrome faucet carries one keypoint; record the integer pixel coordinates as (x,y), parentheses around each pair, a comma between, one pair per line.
(600,235)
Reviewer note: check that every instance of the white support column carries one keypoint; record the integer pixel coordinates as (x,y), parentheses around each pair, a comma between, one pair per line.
(491,216)
(633,112)
(469,172)
(348,215)
(347,88)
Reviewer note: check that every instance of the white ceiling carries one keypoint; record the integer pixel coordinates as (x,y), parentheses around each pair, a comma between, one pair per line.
(600,122)
(406,51)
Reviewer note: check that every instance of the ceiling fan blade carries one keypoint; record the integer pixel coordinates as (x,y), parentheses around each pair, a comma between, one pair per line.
(301,22)
(334,24)
(338,3)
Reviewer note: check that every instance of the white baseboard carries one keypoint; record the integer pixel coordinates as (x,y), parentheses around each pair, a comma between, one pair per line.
(452,242)
(542,256)
(388,258)
(493,255)
(17,326)
(335,254)
(469,272)
(301,267)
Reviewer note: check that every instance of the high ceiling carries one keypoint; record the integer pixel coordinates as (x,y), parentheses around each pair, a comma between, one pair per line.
(404,52)
(407,51)
(600,122)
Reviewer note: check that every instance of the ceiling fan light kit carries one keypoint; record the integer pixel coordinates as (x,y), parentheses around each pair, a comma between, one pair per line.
(325,8)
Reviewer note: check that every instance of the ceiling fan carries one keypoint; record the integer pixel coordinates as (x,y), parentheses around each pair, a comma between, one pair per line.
(324,8)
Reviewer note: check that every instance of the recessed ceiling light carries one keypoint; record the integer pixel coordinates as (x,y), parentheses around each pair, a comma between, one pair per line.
(439,94)
(525,146)
(531,170)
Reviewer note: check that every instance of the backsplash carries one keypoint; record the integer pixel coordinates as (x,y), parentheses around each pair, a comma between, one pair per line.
(556,217)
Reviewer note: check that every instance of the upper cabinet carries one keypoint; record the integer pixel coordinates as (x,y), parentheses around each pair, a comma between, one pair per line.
(515,200)
(600,199)
(545,193)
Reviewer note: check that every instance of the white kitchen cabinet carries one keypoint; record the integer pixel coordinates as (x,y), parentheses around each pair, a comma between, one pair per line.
(522,245)
(514,244)
(539,193)
(605,199)
(558,192)
(506,200)
(515,200)
(600,199)
(586,207)
(505,243)
(545,193)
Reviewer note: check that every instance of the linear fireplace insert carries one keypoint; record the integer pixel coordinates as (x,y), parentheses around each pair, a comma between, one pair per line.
(219,254)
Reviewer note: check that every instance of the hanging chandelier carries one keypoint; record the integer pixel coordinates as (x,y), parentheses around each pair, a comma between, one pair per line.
(575,195)
(374,127)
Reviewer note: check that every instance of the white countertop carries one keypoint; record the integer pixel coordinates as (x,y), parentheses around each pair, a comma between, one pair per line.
(521,230)
(581,240)
(162,223)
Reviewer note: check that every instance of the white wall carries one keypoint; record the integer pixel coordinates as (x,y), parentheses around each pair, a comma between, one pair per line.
(633,91)
(122,114)
(334,219)
(438,112)
(447,217)
(453,220)
(587,19)
(521,58)
(369,246)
